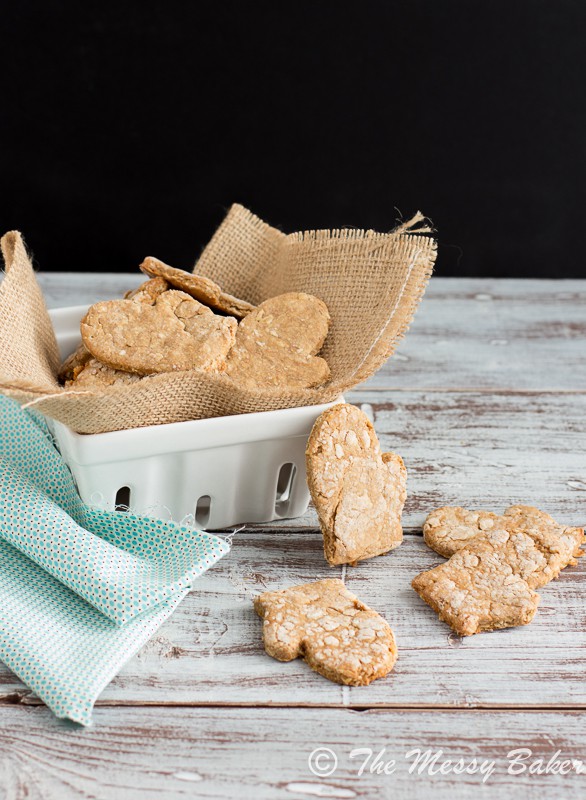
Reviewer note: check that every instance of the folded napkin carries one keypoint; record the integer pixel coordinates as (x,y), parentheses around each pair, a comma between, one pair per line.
(81,589)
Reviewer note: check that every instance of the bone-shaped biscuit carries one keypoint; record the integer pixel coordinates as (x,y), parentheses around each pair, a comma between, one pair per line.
(358,492)
(337,635)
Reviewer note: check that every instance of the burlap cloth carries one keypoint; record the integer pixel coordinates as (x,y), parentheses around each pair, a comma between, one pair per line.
(371,283)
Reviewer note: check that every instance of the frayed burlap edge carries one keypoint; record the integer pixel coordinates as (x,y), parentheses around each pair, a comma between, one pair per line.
(253,260)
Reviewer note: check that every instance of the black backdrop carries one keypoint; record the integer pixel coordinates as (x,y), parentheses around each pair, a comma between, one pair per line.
(128,128)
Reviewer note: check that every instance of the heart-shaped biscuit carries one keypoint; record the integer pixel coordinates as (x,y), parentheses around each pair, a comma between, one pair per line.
(73,366)
(337,635)
(358,492)
(202,289)
(277,342)
(175,332)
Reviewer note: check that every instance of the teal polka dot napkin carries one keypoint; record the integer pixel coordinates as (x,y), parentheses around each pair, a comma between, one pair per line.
(81,589)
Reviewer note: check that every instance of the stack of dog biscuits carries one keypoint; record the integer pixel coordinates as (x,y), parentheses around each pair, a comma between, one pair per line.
(178,321)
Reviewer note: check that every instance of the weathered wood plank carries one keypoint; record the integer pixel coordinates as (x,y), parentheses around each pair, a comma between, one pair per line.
(265,753)
(210,651)
(493,334)
(467,334)
(483,450)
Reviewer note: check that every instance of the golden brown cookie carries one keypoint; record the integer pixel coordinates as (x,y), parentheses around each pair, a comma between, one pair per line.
(358,492)
(478,589)
(202,289)
(148,291)
(544,546)
(174,333)
(276,344)
(74,363)
(337,635)
(95,375)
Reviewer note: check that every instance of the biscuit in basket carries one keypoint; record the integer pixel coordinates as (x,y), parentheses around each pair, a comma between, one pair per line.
(358,492)
(337,635)
(276,344)
(73,364)
(147,291)
(174,332)
(94,375)
(478,589)
(540,546)
(202,289)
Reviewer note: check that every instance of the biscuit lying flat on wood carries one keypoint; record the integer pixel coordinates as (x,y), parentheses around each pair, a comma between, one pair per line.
(277,342)
(544,547)
(175,332)
(337,635)
(202,289)
(478,589)
(95,375)
(358,492)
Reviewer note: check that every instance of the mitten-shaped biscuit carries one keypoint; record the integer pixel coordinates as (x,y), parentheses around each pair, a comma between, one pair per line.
(542,546)
(336,634)
(477,590)
(358,492)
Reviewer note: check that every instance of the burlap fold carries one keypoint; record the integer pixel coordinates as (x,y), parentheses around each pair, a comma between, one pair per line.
(371,282)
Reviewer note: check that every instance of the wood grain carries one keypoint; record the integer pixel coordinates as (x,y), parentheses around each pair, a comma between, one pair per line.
(210,652)
(486,401)
(482,450)
(133,754)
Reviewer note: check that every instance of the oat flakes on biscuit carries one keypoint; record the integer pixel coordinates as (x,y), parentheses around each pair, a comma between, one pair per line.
(95,375)
(544,546)
(73,363)
(337,635)
(175,332)
(148,291)
(276,344)
(478,589)
(202,289)
(358,492)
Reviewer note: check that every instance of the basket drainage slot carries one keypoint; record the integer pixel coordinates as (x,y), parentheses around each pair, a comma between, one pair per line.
(284,488)
(202,510)
(122,501)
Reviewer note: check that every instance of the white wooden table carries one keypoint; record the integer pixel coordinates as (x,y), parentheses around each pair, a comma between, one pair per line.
(486,402)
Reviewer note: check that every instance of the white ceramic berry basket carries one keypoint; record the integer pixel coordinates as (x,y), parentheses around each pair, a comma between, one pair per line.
(216,472)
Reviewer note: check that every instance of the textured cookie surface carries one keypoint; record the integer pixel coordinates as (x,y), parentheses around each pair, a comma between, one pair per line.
(544,547)
(148,291)
(94,375)
(358,492)
(478,588)
(337,635)
(277,342)
(202,289)
(174,332)
(73,363)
